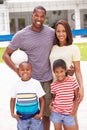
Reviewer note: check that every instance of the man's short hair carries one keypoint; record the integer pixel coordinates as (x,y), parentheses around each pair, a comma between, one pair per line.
(39,7)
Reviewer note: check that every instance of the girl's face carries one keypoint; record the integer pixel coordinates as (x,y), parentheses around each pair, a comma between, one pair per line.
(60,74)
(25,71)
(61,34)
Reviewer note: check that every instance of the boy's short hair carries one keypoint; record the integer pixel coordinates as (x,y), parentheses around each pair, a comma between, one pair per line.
(59,63)
(25,62)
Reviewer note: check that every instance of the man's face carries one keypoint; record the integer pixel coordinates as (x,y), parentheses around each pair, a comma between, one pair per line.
(38,18)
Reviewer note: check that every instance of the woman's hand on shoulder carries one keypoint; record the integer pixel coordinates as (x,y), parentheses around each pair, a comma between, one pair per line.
(71,70)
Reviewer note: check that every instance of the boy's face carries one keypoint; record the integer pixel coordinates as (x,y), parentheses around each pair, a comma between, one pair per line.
(25,71)
(60,73)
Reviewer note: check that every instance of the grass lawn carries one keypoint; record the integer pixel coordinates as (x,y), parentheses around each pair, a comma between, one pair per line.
(1,53)
(82,46)
(83,50)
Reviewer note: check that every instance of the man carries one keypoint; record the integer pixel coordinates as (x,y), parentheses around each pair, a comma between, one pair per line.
(36,40)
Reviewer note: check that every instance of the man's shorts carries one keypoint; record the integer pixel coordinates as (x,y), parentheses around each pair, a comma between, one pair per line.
(67,120)
(46,87)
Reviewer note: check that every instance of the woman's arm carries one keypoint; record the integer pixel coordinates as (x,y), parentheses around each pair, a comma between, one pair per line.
(79,79)
(75,102)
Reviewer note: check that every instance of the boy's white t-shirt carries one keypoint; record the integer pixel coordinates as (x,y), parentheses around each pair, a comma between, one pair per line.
(27,94)
(30,86)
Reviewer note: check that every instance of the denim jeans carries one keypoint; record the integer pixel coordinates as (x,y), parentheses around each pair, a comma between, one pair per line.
(58,118)
(30,124)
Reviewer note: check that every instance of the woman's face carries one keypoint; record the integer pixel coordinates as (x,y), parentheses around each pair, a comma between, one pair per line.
(61,34)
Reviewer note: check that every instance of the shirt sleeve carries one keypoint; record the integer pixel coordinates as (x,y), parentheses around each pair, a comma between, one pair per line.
(40,91)
(14,43)
(76,53)
(75,84)
(13,91)
(53,89)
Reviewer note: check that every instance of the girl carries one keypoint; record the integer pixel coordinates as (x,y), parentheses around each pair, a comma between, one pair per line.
(63,105)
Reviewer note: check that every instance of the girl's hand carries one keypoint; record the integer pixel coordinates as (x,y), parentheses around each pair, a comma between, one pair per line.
(75,108)
(50,107)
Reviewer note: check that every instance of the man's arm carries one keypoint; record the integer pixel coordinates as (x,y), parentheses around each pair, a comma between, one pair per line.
(7,59)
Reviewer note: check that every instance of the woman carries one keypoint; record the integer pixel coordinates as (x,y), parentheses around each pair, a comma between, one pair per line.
(69,53)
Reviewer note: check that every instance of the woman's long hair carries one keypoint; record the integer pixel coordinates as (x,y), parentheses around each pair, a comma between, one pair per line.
(68,32)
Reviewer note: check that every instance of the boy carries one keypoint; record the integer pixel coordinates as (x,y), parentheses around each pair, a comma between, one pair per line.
(26,94)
